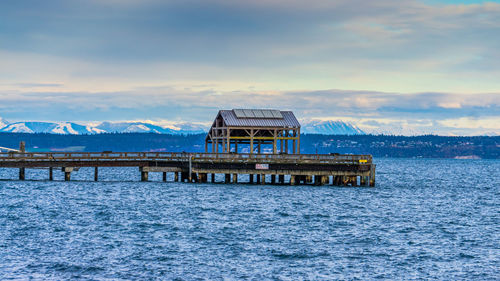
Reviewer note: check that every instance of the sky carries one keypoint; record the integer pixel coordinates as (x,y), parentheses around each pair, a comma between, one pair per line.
(413,67)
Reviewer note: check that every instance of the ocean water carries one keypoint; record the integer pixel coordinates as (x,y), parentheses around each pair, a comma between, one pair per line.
(425,219)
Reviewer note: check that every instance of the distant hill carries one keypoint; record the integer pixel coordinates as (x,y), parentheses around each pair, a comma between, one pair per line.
(378,145)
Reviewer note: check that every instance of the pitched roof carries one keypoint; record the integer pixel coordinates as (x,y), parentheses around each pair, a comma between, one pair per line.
(259,118)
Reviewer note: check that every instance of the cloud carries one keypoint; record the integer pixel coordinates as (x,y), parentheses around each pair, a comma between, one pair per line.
(373,111)
(132,59)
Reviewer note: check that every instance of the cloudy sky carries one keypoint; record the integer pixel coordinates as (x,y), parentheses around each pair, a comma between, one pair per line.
(424,66)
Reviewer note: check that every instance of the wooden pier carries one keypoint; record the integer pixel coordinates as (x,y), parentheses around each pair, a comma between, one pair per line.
(292,169)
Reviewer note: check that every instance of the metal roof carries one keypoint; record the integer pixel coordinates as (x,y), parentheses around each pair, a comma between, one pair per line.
(287,120)
(258,113)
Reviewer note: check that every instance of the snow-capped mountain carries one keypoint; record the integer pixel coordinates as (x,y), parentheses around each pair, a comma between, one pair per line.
(3,123)
(51,128)
(69,128)
(134,127)
(331,128)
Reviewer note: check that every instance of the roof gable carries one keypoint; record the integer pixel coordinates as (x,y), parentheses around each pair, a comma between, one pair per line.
(259,118)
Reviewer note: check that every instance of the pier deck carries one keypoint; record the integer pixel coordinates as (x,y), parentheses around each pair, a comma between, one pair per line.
(342,170)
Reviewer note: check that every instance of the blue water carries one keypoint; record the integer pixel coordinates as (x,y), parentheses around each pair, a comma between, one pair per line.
(425,219)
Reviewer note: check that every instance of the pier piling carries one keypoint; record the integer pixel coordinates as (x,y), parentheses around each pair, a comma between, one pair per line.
(22,173)
(96,173)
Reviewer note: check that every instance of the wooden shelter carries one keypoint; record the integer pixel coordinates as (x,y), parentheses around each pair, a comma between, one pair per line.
(254,130)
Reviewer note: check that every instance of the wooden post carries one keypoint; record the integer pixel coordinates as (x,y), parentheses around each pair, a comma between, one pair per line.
(309,179)
(144,176)
(263,179)
(258,178)
(22,172)
(324,179)
(372,175)
(227,178)
(292,179)
(67,173)
(164,176)
(96,173)
(51,174)
(250,178)
(281,143)
(251,141)
(281,179)
(235,178)
(176,176)
(275,140)
(273,179)
(212,178)
(228,148)
(298,141)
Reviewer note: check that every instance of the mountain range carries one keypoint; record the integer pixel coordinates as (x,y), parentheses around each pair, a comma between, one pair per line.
(70,128)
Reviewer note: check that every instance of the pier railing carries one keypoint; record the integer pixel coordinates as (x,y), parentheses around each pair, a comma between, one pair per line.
(180,156)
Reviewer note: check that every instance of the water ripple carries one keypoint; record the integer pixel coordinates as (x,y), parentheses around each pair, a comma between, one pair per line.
(426,219)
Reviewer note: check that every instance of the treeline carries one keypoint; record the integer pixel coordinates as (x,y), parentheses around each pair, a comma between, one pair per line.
(429,146)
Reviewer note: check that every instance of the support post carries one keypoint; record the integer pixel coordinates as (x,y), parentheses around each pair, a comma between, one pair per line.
(144,176)
(372,175)
(96,173)
(324,180)
(227,178)
(190,168)
(309,179)
(298,141)
(292,179)
(176,176)
(235,178)
(273,179)
(22,174)
(258,178)
(51,174)
(212,178)
(263,179)
(164,176)
(275,140)
(250,176)
(67,173)
(281,179)
(251,141)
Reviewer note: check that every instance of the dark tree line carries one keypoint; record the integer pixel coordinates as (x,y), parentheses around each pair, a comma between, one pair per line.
(428,146)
